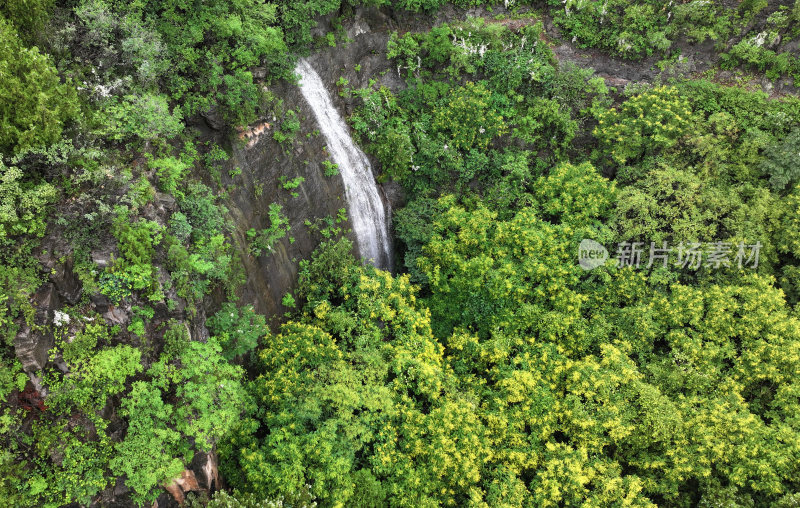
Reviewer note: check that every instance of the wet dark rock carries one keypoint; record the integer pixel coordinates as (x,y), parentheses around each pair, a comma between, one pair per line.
(357,27)
(259,72)
(197,328)
(65,279)
(56,261)
(394,194)
(178,308)
(165,201)
(165,500)
(160,312)
(213,119)
(150,213)
(33,343)
(120,489)
(100,302)
(205,468)
(376,19)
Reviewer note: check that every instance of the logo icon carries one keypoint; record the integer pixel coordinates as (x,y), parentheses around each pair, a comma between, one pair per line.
(591,254)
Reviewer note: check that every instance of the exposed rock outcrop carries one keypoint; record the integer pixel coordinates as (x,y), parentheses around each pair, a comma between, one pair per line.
(201,476)
(33,343)
(263,161)
(182,485)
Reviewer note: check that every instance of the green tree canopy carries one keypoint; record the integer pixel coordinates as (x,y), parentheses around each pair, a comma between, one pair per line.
(34,103)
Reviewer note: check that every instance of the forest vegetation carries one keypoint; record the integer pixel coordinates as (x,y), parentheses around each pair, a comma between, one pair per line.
(488,368)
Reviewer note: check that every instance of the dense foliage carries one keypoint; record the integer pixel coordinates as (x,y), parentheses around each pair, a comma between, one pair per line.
(620,386)
(34,105)
(489,368)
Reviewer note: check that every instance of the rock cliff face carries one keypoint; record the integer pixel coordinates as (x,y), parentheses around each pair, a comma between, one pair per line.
(33,342)
(263,161)
(251,178)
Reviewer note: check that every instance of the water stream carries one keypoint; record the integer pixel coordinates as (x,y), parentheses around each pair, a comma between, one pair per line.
(366,209)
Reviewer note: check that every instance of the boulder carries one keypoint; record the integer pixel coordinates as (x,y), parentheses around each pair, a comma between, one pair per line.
(201,476)
(116,316)
(204,467)
(259,72)
(64,277)
(213,119)
(178,488)
(165,201)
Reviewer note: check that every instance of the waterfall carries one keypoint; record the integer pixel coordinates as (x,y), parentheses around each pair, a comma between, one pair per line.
(366,209)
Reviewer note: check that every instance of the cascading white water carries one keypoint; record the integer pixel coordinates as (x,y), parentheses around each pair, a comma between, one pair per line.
(366,208)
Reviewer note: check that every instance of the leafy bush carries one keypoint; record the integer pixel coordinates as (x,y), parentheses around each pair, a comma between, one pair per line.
(137,240)
(224,499)
(753,111)
(134,269)
(748,9)
(151,451)
(146,117)
(642,27)
(206,261)
(171,171)
(355,362)
(205,216)
(545,123)
(412,227)
(96,375)
(238,330)
(265,239)
(28,16)
(329,268)
(751,52)
(11,377)
(669,204)
(140,192)
(176,340)
(574,194)
(420,5)
(628,28)
(288,128)
(330,168)
(405,50)
(207,401)
(298,19)
(292,184)
(34,104)
(23,205)
(702,20)
(780,162)
(197,269)
(469,117)
(644,124)
(180,227)
(79,350)
(207,50)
